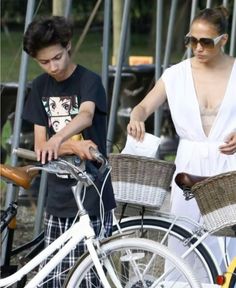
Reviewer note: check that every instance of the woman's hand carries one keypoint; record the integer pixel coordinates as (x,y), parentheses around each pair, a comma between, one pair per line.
(136,129)
(229,147)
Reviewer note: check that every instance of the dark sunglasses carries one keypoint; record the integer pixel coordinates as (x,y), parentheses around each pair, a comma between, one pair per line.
(207,43)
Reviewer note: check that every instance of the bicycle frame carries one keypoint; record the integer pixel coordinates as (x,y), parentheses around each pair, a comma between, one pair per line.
(77,232)
(82,230)
(72,236)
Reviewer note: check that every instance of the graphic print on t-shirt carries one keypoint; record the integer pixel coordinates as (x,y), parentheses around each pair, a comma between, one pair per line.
(60,110)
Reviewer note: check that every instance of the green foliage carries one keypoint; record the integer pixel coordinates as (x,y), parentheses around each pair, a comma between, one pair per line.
(89,55)
(15,10)
(6,132)
(11,57)
(12,10)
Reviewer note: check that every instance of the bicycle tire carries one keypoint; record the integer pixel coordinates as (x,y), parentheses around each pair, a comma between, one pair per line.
(200,253)
(139,251)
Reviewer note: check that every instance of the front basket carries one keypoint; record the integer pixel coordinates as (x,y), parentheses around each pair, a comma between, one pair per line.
(140,180)
(216,198)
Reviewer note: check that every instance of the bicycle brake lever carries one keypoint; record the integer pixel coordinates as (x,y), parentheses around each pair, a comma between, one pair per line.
(50,167)
(100,158)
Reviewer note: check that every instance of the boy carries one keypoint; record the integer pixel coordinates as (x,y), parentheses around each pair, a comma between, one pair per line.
(67,100)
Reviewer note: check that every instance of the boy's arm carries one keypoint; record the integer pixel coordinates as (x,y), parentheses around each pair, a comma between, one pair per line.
(58,143)
(80,148)
(40,138)
(83,120)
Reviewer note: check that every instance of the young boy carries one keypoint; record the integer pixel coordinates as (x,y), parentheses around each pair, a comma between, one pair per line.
(67,100)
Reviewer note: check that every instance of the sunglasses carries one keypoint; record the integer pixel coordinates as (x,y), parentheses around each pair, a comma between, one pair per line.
(206,43)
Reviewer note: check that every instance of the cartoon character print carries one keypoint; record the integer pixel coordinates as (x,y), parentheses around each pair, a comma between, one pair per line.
(60,110)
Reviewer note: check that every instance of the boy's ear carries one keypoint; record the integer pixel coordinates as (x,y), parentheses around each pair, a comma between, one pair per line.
(68,47)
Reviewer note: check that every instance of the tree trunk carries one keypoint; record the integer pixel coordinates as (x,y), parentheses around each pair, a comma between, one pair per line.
(58,7)
(117,20)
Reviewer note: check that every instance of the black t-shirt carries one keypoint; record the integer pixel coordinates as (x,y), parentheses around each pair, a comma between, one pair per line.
(53,104)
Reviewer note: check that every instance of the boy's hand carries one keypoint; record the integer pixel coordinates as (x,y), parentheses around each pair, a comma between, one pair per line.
(82,148)
(49,149)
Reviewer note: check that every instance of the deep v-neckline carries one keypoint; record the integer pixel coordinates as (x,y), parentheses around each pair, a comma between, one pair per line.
(195,98)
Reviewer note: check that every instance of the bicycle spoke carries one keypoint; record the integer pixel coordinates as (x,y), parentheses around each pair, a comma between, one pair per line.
(133,263)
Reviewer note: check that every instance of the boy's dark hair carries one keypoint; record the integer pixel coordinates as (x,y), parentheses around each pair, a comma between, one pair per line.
(47,31)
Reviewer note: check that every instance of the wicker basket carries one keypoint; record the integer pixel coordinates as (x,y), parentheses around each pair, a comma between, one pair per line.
(140,180)
(216,198)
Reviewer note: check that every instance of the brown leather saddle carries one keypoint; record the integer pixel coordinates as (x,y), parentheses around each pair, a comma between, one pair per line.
(19,176)
(186,181)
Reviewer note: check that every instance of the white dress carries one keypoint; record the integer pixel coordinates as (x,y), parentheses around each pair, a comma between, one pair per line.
(197,153)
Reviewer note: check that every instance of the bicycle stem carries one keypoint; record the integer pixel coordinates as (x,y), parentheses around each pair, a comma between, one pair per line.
(77,190)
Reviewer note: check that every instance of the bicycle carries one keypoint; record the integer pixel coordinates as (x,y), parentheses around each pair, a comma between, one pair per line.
(23,252)
(118,261)
(17,255)
(161,226)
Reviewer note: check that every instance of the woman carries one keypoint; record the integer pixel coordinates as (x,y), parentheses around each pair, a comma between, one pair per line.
(201,95)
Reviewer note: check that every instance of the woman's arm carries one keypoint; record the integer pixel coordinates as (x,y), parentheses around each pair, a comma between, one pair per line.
(153,100)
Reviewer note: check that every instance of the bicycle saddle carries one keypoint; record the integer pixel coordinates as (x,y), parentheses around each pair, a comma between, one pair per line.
(19,176)
(186,181)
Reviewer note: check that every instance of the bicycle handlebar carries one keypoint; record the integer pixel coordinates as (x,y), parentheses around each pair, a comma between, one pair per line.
(23,176)
(25,153)
(31,155)
(98,156)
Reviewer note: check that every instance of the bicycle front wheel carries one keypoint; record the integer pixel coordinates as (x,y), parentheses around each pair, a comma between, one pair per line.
(133,263)
(161,231)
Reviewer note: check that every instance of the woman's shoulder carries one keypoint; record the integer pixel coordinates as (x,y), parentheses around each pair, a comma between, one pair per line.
(177,68)
(179,65)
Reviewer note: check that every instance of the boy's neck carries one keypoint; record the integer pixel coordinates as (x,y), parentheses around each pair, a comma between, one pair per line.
(67,72)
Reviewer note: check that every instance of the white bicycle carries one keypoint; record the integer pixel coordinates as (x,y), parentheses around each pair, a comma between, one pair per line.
(144,219)
(118,261)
